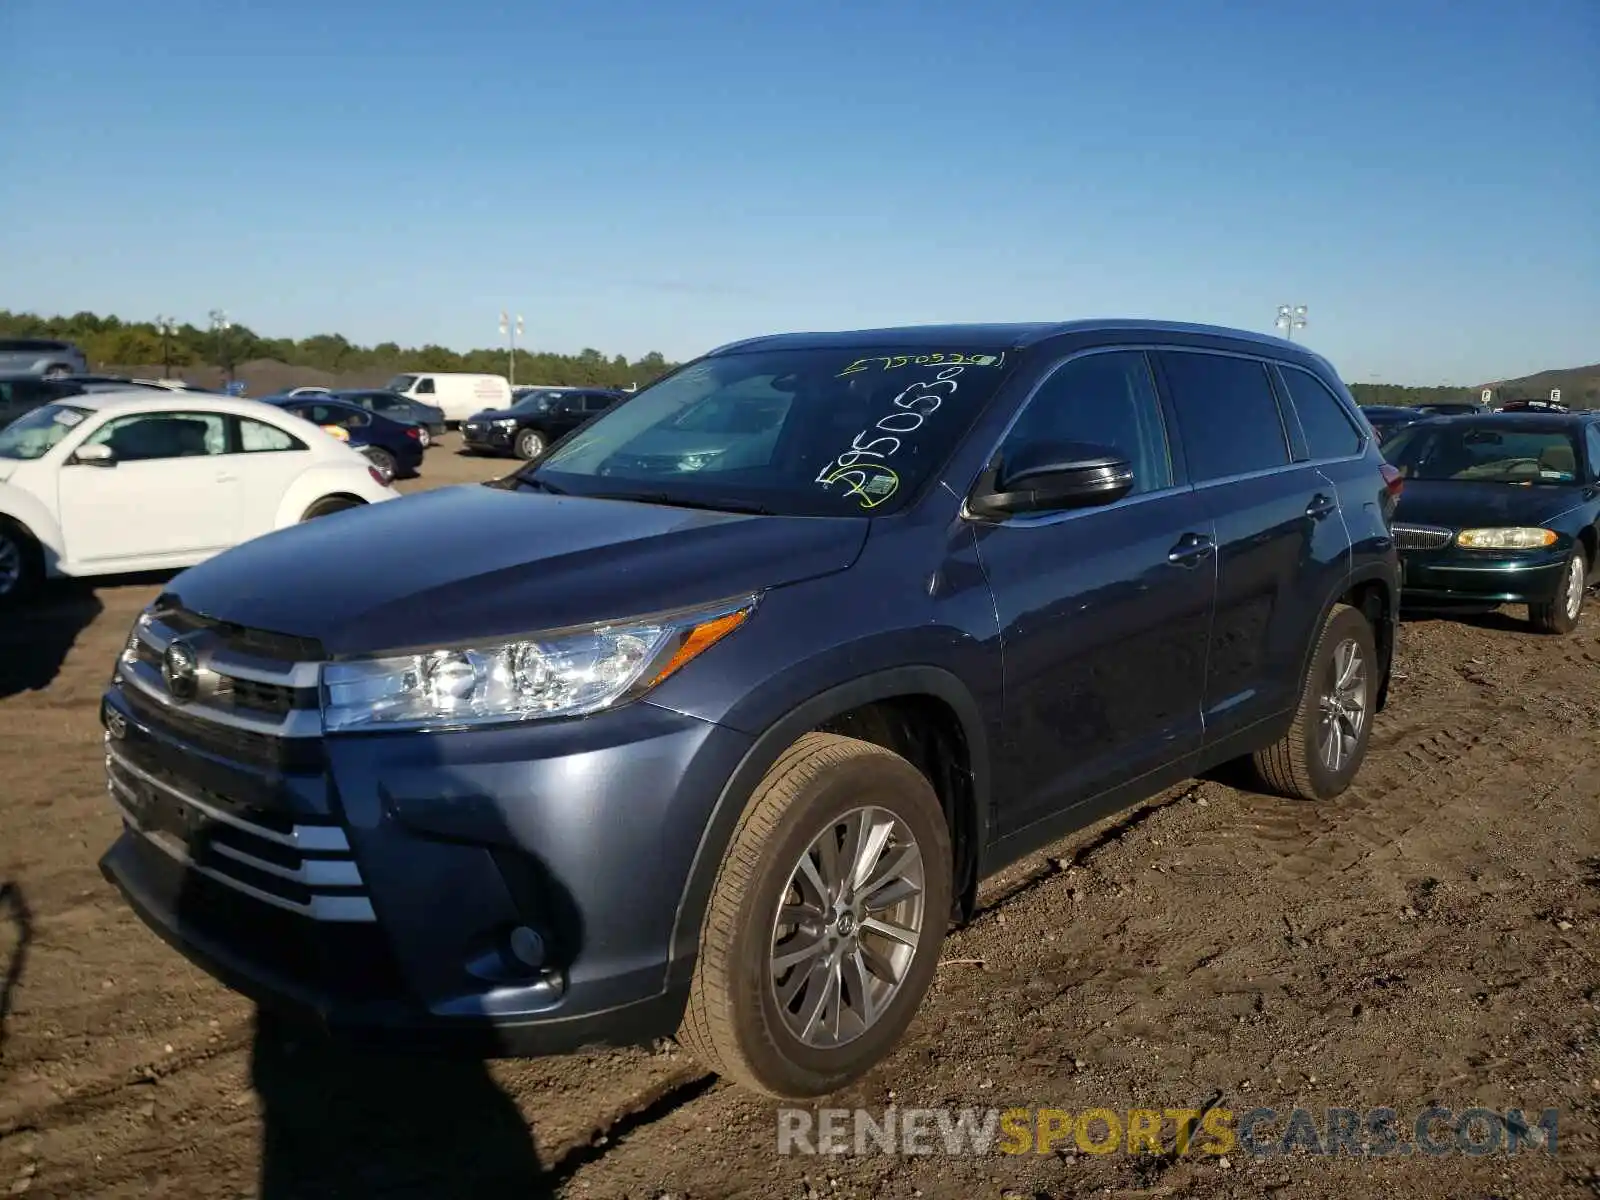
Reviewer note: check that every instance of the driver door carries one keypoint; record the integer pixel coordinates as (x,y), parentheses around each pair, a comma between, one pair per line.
(1105,612)
(168,497)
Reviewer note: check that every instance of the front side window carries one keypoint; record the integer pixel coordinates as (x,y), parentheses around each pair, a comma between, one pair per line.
(816,432)
(1227,413)
(1329,430)
(1104,400)
(1481,453)
(142,437)
(425,387)
(35,433)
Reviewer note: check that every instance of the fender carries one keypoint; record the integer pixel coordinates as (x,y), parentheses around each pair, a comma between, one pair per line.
(35,517)
(765,751)
(318,480)
(1367,572)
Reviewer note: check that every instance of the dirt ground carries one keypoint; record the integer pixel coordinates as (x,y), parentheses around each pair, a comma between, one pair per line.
(1431,938)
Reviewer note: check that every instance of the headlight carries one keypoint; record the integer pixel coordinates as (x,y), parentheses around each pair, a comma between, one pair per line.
(130,648)
(566,673)
(699,460)
(1505,539)
(506,422)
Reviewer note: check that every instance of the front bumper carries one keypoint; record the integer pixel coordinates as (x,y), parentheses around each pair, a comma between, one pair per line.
(1473,578)
(372,883)
(488,437)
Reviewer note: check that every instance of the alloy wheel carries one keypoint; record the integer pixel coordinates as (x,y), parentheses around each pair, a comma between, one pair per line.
(1574,590)
(10,564)
(848,928)
(1343,705)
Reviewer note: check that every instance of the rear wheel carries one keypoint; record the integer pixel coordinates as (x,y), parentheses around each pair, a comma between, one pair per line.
(330,505)
(383,460)
(1324,748)
(530,444)
(1560,614)
(21,563)
(424,438)
(825,921)
(57,371)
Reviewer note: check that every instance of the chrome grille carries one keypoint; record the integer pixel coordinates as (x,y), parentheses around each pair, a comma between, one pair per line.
(1421,537)
(306,868)
(237,683)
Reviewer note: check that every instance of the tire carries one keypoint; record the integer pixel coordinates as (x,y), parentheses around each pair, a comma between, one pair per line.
(383,460)
(329,505)
(735,1023)
(21,564)
(1299,765)
(57,371)
(1560,614)
(529,443)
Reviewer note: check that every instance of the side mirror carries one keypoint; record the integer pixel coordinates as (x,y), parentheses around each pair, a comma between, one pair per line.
(1052,477)
(96,455)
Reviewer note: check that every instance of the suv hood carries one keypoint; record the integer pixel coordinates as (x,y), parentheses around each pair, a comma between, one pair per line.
(474,563)
(1459,505)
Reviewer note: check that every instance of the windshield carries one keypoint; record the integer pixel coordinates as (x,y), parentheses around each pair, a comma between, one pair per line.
(34,434)
(795,432)
(1481,453)
(400,383)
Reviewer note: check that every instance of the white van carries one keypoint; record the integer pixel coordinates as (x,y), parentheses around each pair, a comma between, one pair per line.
(456,392)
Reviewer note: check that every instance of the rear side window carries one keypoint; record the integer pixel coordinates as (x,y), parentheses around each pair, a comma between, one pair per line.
(1103,400)
(257,437)
(1227,413)
(1330,433)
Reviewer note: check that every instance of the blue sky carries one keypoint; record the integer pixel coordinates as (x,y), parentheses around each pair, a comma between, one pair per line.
(633,175)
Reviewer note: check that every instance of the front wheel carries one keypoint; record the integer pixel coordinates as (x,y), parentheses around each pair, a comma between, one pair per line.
(825,922)
(1324,748)
(530,444)
(1560,614)
(382,460)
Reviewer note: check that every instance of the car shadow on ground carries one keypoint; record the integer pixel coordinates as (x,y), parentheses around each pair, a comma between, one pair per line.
(14,912)
(35,638)
(342,1121)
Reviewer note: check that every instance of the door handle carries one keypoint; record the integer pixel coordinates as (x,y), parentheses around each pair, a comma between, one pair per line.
(226,477)
(1320,506)
(1190,550)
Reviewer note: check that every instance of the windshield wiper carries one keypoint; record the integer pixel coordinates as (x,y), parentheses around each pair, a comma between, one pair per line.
(730,506)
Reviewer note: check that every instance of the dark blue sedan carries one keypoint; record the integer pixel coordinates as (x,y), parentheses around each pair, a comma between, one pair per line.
(400,408)
(394,447)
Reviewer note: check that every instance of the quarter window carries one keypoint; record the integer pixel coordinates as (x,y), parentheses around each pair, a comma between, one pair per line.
(1227,413)
(1330,433)
(257,437)
(1100,400)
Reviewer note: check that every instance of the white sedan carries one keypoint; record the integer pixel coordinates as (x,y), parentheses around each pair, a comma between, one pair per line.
(110,482)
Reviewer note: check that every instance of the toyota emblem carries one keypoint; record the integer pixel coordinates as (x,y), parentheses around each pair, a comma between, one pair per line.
(181,670)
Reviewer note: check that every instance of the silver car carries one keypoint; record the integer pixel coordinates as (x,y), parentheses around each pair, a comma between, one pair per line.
(41,356)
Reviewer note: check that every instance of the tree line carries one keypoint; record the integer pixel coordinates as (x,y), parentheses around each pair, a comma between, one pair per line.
(108,340)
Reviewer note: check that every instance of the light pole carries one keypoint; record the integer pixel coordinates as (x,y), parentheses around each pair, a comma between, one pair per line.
(1290,318)
(166,327)
(513,331)
(220,322)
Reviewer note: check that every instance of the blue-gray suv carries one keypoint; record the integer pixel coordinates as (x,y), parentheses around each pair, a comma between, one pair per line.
(709,722)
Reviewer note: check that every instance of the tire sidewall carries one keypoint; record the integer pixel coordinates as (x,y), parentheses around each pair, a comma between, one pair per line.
(32,561)
(879,780)
(1342,625)
(383,460)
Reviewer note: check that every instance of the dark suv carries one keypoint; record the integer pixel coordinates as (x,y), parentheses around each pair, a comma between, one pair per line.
(712,719)
(535,421)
